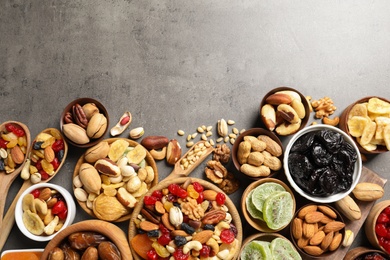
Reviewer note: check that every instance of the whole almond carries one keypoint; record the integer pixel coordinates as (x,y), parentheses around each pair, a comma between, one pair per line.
(302,242)
(49,154)
(313,217)
(148,226)
(165,221)
(308,230)
(313,250)
(317,238)
(45,194)
(327,211)
(334,226)
(203,236)
(310,208)
(297,228)
(325,219)
(17,155)
(210,195)
(336,241)
(327,240)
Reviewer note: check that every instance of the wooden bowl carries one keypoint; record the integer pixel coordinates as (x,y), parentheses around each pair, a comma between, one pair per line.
(257,223)
(149,160)
(326,253)
(83,101)
(304,101)
(360,252)
(370,223)
(267,237)
(3,129)
(111,231)
(181,180)
(255,132)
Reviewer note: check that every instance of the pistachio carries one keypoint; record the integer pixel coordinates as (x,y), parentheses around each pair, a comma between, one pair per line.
(175,216)
(137,132)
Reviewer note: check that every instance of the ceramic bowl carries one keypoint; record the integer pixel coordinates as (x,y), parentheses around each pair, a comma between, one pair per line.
(328,251)
(256,223)
(87,205)
(370,224)
(108,230)
(361,252)
(71,210)
(325,198)
(278,120)
(346,115)
(266,237)
(210,191)
(69,109)
(255,132)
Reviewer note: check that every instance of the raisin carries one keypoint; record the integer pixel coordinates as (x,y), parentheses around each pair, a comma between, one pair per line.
(187,228)
(180,241)
(209,227)
(37,145)
(192,192)
(153,233)
(2,166)
(60,155)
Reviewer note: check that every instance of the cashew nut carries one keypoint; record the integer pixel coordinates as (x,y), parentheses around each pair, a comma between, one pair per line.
(25,174)
(49,229)
(196,245)
(328,121)
(150,174)
(159,154)
(213,244)
(228,218)
(223,254)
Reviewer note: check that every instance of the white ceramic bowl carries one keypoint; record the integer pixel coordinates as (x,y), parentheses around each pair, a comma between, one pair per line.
(333,197)
(70,215)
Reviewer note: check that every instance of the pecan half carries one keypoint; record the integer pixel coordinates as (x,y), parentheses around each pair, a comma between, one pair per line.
(80,116)
(213,217)
(68,118)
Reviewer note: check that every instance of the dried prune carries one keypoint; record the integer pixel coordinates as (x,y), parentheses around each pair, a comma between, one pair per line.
(328,181)
(320,154)
(304,143)
(332,140)
(299,165)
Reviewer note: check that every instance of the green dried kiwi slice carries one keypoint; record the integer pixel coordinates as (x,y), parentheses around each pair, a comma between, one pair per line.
(261,193)
(257,249)
(278,209)
(283,249)
(250,207)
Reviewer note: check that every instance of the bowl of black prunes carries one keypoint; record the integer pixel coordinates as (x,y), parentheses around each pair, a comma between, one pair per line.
(322,163)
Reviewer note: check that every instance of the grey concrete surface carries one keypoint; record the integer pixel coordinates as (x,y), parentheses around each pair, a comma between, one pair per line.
(180,64)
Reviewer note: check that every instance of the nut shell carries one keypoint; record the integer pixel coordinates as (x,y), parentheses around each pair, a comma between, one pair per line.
(97,126)
(90,178)
(75,133)
(97,152)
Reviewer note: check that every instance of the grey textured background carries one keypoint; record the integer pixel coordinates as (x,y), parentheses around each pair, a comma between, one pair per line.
(180,64)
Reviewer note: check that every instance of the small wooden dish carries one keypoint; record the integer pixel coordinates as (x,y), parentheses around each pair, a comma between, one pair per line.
(207,185)
(111,231)
(361,252)
(303,100)
(83,101)
(257,223)
(369,225)
(344,126)
(255,132)
(149,160)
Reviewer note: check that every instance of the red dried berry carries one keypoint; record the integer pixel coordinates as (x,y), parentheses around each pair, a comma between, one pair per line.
(200,199)
(182,193)
(44,175)
(157,194)
(197,186)
(179,255)
(164,239)
(220,198)
(227,236)
(380,229)
(173,188)
(36,193)
(205,251)
(3,143)
(150,200)
(152,254)
(59,207)
(55,163)
(58,145)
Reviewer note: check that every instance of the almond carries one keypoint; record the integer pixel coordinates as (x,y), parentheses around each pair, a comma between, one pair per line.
(327,211)
(310,208)
(17,155)
(302,242)
(313,217)
(313,250)
(179,232)
(336,241)
(325,219)
(49,154)
(308,230)
(203,236)
(210,195)
(159,207)
(317,238)
(327,240)
(148,226)
(165,221)
(334,226)
(297,228)
(45,194)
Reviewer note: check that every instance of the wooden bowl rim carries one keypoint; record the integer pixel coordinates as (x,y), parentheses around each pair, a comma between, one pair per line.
(304,102)
(257,223)
(256,132)
(163,184)
(83,101)
(100,226)
(369,225)
(360,251)
(344,125)
(150,160)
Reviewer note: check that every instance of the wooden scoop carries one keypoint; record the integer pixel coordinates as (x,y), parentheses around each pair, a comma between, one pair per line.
(179,171)
(9,218)
(7,179)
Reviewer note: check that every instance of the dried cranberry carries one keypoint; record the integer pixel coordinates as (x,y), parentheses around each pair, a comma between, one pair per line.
(59,207)
(163,229)
(157,194)
(150,200)
(44,175)
(3,143)
(58,145)
(62,215)
(227,236)
(200,199)
(152,254)
(16,129)
(179,255)
(382,218)
(197,186)
(205,251)
(220,198)
(182,193)
(38,165)
(173,188)
(164,239)
(36,193)
(387,211)
(55,163)
(380,229)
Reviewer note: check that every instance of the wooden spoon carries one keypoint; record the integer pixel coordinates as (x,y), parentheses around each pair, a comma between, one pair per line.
(178,171)
(9,218)
(7,179)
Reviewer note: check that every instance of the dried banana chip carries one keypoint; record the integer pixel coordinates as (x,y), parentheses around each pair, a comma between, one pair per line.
(108,208)
(137,154)
(381,123)
(367,147)
(378,106)
(386,136)
(356,125)
(117,149)
(358,110)
(368,133)
(33,222)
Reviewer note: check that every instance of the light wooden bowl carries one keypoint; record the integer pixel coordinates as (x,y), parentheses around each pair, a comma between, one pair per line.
(344,125)
(369,225)
(207,185)
(303,99)
(361,252)
(111,231)
(149,160)
(255,132)
(257,223)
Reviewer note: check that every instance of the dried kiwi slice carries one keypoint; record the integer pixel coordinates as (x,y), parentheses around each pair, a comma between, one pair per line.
(263,191)
(257,250)
(250,207)
(283,249)
(278,209)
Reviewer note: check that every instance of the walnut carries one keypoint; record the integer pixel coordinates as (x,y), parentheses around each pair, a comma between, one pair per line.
(222,153)
(192,209)
(230,184)
(323,107)
(215,171)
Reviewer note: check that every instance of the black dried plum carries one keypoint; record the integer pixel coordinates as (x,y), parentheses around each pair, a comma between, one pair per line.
(320,155)
(332,140)
(313,186)
(303,143)
(329,181)
(299,165)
